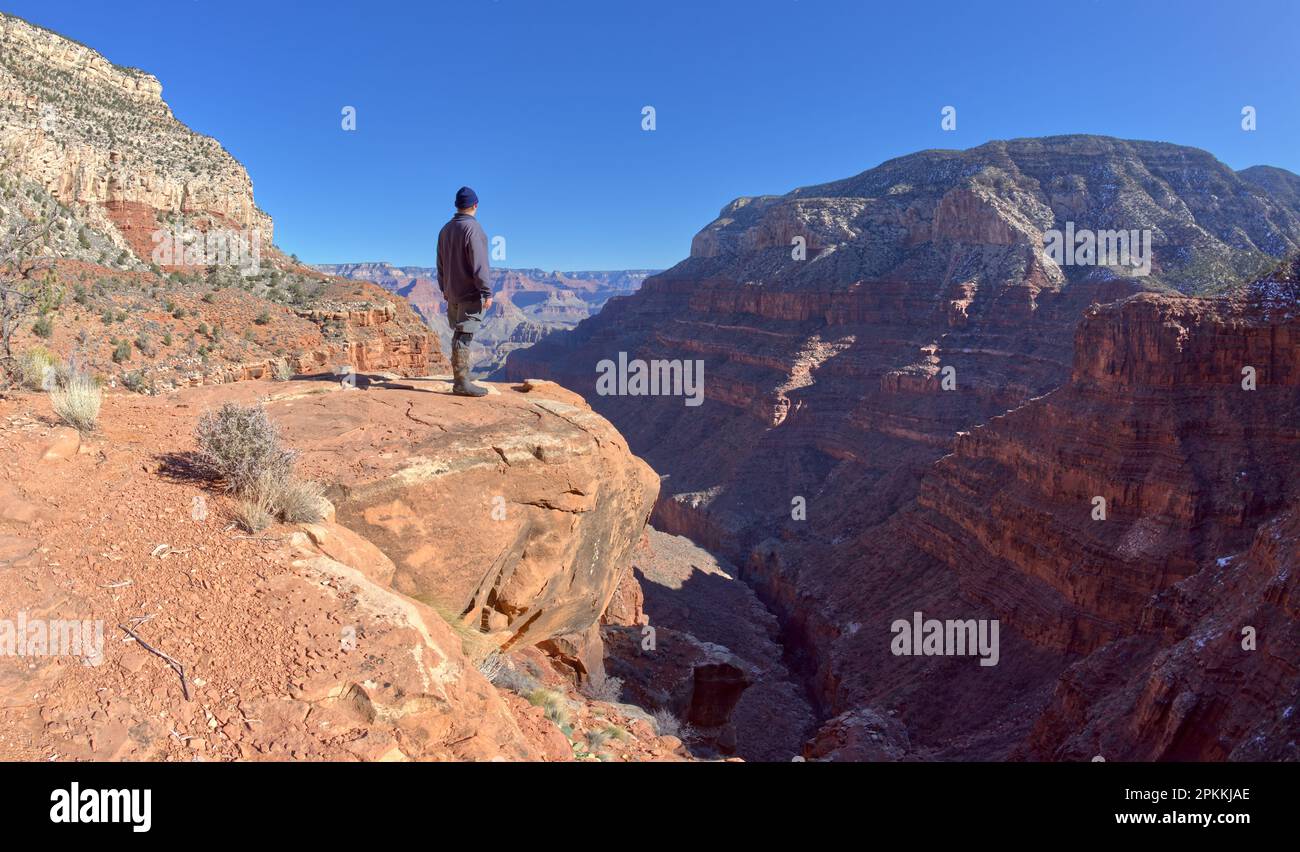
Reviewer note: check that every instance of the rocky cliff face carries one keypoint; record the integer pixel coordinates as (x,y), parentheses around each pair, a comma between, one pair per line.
(1108,621)
(1210,676)
(924,216)
(835,455)
(1155,423)
(100,139)
(1195,546)
(92,147)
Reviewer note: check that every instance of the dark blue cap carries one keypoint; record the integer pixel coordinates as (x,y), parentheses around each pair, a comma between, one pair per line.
(465,198)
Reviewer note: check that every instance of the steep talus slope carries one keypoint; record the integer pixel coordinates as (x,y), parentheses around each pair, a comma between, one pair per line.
(301,642)
(1279,184)
(824,393)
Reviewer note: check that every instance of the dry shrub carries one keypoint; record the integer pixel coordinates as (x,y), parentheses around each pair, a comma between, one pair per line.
(241,445)
(604,688)
(668,725)
(491,666)
(76,400)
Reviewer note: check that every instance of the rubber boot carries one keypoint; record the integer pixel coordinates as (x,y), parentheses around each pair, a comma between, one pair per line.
(460,363)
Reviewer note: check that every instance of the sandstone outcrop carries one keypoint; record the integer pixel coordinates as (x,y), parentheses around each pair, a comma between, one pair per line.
(516,516)
(370,333)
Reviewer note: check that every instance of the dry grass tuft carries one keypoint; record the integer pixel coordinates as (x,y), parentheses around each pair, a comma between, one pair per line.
(35,367)
(299,501)
(77,400)
(252,515)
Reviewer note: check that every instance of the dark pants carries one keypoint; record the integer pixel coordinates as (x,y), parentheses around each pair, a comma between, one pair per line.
(465,318)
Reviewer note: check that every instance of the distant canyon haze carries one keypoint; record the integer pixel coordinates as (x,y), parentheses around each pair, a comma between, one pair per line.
(528,304)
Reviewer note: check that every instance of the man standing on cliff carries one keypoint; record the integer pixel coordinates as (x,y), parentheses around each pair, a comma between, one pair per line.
(463,277)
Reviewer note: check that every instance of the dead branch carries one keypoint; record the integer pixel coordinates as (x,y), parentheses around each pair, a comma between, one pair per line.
(176,665)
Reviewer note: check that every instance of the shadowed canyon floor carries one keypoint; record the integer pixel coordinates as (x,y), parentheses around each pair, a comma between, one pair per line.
(703,615)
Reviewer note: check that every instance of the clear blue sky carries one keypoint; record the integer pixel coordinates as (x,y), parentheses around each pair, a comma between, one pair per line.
(537,103)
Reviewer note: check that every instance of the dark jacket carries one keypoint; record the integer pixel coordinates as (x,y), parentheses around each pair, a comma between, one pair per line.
(463,260)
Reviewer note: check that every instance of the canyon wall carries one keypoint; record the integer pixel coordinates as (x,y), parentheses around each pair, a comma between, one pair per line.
(92,148)
(1121,633)
(100,139)
(858,480)
(820,370)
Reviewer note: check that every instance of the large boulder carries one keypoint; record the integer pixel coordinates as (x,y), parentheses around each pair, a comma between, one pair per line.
(515,514)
